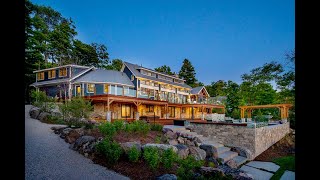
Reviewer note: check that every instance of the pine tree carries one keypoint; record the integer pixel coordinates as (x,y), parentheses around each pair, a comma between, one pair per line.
(188,73)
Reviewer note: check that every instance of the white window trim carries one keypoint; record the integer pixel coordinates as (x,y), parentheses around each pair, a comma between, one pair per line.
(66,72)
(88,88)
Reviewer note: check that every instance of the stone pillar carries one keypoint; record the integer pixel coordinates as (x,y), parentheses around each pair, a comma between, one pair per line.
(108,116)
(249,119)
(137,115)
(243,120)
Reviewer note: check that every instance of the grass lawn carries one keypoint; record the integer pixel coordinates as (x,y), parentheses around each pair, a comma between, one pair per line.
(285,163)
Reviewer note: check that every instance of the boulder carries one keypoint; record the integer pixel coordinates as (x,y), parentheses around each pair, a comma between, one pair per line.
(34,112)
(57,129)
(173,142)
(95,116)
(180,140)
(170,135)
(189,143)
(165,130)
(160,146)
(196,139)
(72,136)
(190,127)
(183,151)
(243,152)
(211,171)
(214,160)
(211,151)
(243,176)
(167,177)
(128,145)
(197,153)
(80,131)
(43,116)
(232,164)
(81,141)
(55,113)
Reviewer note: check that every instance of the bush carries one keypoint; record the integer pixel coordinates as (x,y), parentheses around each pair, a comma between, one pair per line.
(42,101)
(107,129)
(156,127)
(111,150)
(134,154)
(118,125)
(187,167)
(54,120)
(168,158)
(157,139)
(138,126)
(152,157)
(235,114)
(79,107)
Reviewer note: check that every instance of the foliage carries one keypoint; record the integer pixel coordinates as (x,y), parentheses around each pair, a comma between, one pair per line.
(139,127)
(187,167)
(54,120)
(107,129)
(211,164)
(134,154)
(235,114)
(118,125)
(152,157)
(111,150)
(156,127)
(285,163)
(261,118)
(168,158)
(79,107)
(292,117)
(164,69)
(116,65)
(188,73)
(157,139)
(42,101)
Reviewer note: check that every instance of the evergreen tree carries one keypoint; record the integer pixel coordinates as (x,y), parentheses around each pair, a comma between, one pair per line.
(188,73)
(164,69)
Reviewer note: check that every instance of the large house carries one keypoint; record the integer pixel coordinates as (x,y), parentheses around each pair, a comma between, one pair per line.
(131,93)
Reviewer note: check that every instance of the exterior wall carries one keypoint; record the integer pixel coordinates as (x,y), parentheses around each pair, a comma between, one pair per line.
(52,91)
(129,73)
(256,140)
(57,75)
(144,111)
(115,108)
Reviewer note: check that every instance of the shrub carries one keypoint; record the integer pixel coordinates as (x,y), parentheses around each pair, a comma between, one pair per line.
(152,157)
(211,164)
(111,150)
(134,154)
(54,120)
(157,139)
(107,129)
(79,107)
(235,114)
(187,167)
(156,127)
(139,127)
(119,125)
(168,158)
(42,101)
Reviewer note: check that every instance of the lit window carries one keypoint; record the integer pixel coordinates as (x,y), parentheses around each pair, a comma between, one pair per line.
(41,76)
(52,74)
(106,89)
(90,88)
(125,111)
(62,72)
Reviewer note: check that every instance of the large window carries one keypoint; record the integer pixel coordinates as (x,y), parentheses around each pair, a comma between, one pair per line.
(171,111)
(150,108)
(41,76)
(106,88)
(52,74)
(125,111)
(183,110)
(62,72)
(90,88)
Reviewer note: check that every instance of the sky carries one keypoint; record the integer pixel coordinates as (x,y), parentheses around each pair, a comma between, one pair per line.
(222,39)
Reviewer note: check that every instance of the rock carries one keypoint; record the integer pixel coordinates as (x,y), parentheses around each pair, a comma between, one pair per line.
(43,116)
(215,161)
(243,176)
(189,143)
(173,142)
(232,164)
(183,151)
(66,131)
(57,114)
(80,131)
(34,112)
(57,129)
(72,136)
(197,144)
(167,177)
(95,116)
(197,153)
(170,135)
(161,146)
(196,139)
(180,140)
(211,171)
(128,145)
(165,130)
(81,141)
(190,127)
(211,151)
(243,152)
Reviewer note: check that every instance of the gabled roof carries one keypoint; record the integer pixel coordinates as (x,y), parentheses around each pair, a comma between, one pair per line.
(55,81)
(104,76)
(198,89)
(68,65)
(134,69)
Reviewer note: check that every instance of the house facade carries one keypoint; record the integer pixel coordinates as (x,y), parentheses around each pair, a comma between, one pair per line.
(131,93)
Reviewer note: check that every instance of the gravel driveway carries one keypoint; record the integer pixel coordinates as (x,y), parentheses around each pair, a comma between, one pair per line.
(47,156)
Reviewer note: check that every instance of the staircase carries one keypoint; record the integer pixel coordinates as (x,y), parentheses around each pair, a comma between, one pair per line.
(224,153)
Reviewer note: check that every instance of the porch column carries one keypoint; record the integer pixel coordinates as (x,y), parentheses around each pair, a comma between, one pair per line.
(202,115)
(108,116)
(137,116)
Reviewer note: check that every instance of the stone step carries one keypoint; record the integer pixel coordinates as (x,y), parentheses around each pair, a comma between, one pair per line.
(240,160)
(222,149)
(213,143)
(181,131)
(226,156)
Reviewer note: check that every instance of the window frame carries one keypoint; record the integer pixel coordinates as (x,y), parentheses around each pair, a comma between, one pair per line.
(38,76)
(50,74)
(88,87)
(104,88)
(66,72)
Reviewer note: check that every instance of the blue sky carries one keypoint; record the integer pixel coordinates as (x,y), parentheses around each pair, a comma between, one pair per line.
(222,39)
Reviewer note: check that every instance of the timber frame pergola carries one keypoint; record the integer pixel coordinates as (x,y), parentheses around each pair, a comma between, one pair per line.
(284,109)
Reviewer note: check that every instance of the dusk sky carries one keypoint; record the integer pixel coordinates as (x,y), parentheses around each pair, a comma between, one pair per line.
(222,39)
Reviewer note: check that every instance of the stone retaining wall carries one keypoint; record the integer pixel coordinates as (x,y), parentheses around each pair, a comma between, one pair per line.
(254,140)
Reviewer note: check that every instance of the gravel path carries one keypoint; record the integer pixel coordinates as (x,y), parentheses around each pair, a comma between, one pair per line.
(47,156)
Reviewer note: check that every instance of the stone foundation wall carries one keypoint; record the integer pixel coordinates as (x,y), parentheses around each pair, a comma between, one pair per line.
(255,140)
